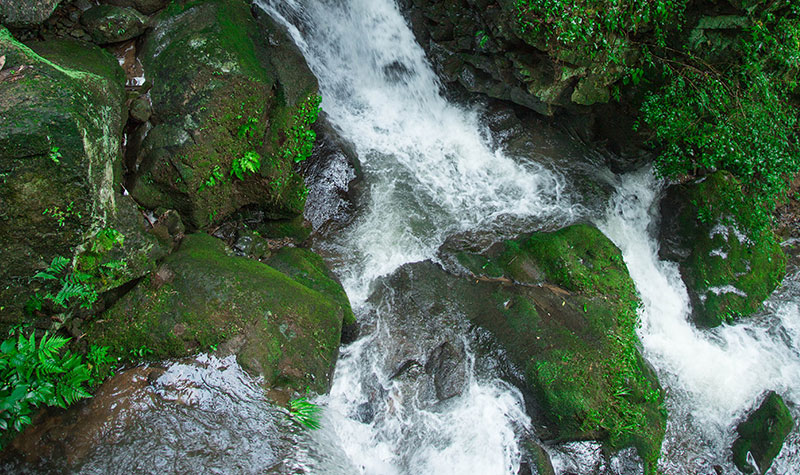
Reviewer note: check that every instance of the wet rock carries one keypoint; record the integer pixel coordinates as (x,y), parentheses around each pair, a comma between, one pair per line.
(201,296)
(26,13)
(110,24)
(727,273)
(148,7)
(447,364)
(331,174)
(365,413)
(761,435)
(61,117)
(217,74)
(251,244)
(140,109)
(563,307)
(192,416)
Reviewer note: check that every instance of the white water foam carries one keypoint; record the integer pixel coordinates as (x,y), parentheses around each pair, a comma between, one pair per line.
(713,376)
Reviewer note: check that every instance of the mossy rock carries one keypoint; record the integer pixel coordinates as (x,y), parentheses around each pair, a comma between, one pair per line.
(221,92)
(565,309)
(201,297)
(309,269)
(728,274)
(762,435)
(112,24)
(26,13)
(61,118)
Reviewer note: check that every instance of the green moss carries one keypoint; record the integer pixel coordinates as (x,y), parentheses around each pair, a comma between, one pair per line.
(762,434)
(721,256)
(572,326)
(201,297)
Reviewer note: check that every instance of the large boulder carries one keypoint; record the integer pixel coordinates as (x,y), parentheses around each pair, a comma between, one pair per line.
(728,274)
(229,90)
(283,328)
(564,308)
(761,435)
(112,24)
(61,118)
(148,7)
(26,13)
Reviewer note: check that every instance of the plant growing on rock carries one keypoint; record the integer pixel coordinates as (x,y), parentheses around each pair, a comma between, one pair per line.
(246,165)
(300,137)
(305,413)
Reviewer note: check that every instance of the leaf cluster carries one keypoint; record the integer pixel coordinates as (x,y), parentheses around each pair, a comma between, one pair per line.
(36,374)
(305,413)
(300,137)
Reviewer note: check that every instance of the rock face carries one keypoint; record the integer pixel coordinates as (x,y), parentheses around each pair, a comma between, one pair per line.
(148,7)
(61,107)
(564,308)
(727,273)
(25,13)
(762,434)
(227,89)
(284,327)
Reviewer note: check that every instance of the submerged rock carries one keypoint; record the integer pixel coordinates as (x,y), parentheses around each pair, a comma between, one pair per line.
(447,363)
(26,13)
(727,273)
(280,326)
(228,90)
(762,434)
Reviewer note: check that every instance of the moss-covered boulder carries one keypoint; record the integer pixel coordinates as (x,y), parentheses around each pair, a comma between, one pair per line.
(564,308)
(284,328)
(112,24)
(728,273)
(762,434)
(61,118)
(26,13)
(233,101)
(148,7)
(566,311)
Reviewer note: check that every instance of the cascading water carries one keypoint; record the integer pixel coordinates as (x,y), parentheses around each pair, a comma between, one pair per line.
(430,174)
(713,376)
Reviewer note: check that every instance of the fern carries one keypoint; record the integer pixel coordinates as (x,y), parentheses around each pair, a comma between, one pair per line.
(305,413)
(248,164)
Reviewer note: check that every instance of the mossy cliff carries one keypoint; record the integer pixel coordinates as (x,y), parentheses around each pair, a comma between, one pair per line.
(284,326)
(727,272)
(225,86)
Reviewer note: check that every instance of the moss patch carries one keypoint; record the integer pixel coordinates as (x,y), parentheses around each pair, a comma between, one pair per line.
(762,434)
(201,296)
(569,320)
(728,274)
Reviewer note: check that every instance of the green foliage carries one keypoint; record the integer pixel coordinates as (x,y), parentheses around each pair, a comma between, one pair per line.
(305,413)
(72,286)
(100,364)
(54,155)
(35,375)
(740,119)
(246,165)
(300,137)
(596,29)
(61,215)
(215,178)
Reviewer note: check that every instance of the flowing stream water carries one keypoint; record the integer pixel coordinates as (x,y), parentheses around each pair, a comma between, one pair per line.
(430,173)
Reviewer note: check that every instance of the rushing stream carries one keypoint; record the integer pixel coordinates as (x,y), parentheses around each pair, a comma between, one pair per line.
(431,173)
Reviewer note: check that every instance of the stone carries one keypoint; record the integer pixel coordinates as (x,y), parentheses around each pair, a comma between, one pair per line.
(217,76)
(148,7)
(762,434)
(110,24)
(26,13)
(201,297)
(140,109)
(728,274)
(447,363)
(61,118)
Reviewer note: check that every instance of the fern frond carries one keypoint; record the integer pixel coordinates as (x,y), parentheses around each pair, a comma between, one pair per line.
(58,265)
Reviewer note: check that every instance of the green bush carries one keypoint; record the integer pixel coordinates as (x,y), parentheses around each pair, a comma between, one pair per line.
(33,375)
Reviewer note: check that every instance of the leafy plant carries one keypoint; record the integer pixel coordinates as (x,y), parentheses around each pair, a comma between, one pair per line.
(72,286)
(305,413)
(300,137)
(54,154)
(246,165)
(61,215)
(34,375)
(99,363)
(141,352)
(215,178)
